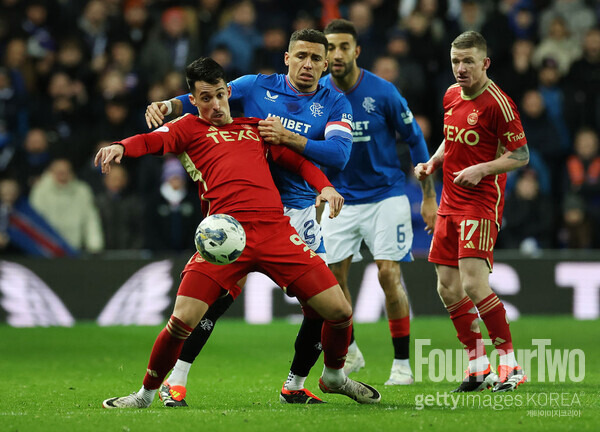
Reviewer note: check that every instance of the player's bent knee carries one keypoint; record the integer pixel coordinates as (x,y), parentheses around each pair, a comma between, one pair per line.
(189,310)
(336,315)
(331,304)
(448,294)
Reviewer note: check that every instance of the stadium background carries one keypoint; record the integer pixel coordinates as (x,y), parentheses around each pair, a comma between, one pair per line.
(76,75)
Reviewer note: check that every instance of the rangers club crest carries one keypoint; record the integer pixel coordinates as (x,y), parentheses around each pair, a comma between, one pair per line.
(316,109)
(369,104)
(472,118)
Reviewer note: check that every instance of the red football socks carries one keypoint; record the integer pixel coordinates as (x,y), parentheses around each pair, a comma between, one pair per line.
(165,352)
(493,314)
(464,315)
(335,338)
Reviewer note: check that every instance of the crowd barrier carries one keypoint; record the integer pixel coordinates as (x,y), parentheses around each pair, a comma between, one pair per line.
(113,289)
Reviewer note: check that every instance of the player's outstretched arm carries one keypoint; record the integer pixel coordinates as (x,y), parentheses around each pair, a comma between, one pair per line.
(157,111)
(108,154)
(335,200)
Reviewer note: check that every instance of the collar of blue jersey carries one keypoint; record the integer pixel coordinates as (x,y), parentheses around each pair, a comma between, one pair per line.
(351,89)
(298,92)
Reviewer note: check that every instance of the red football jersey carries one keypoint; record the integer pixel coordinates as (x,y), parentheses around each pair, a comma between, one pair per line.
(229,163)
(477,129)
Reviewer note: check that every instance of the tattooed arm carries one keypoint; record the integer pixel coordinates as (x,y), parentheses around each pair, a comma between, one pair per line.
(429,205)
(471,176)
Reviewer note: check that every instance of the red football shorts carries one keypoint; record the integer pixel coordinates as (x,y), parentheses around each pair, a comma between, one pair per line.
(456,237)
(274,248)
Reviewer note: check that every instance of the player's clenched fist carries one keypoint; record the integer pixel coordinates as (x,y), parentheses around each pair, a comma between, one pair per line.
(422,170)
(108,154)
(155,114)
(335,200)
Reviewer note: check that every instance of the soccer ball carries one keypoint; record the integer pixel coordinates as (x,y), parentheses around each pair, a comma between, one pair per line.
(220,239)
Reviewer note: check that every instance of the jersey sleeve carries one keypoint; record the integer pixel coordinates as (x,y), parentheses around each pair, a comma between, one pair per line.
(241,87)
(169,138)
(406,126)
(510,129)
(334,150)
(188,108)
(293,162)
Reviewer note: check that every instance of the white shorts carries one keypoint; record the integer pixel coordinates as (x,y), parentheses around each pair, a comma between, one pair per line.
(385,227)
(309,230)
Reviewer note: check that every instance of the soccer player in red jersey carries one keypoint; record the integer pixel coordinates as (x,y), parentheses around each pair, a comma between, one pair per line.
(228,159)
(483,139)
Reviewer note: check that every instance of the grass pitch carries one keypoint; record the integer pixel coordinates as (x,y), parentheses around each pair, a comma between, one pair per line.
(56,378)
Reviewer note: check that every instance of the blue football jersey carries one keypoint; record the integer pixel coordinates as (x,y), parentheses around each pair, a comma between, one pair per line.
(324,117)
(373,172)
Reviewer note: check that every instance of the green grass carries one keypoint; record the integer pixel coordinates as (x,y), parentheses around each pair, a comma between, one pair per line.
(55,379)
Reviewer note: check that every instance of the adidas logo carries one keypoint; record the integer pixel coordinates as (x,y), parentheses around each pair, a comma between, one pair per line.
(449,112)
(271,97)
(498,341)
(469,245)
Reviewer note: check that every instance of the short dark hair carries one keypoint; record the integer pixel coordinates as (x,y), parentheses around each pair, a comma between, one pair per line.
(308,35)
(470,39)
(204,69)
(341,26)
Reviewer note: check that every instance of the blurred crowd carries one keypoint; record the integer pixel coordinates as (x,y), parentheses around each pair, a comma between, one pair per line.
(76,75)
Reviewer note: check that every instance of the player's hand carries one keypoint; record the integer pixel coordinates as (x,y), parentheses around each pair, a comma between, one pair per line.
(335,200)
(272,130)
(468,177)
(108,154)
(423,170)
(429,209)
(155,114)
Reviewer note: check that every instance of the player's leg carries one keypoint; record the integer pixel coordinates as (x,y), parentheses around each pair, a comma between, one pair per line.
(476,240)
(448,237)
(287,260)
(307,347)
(355,359)
(465,319)
(173,391)
(335,337)
(186,315)
(200,287)
(474,274)
(398,315)
(342,240)
(390,243)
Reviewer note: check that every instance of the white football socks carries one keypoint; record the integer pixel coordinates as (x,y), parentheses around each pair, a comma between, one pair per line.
(333,377)
(508,359)
(179,375)
(479,364)
(147,395)
(401,362)
(294,382)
